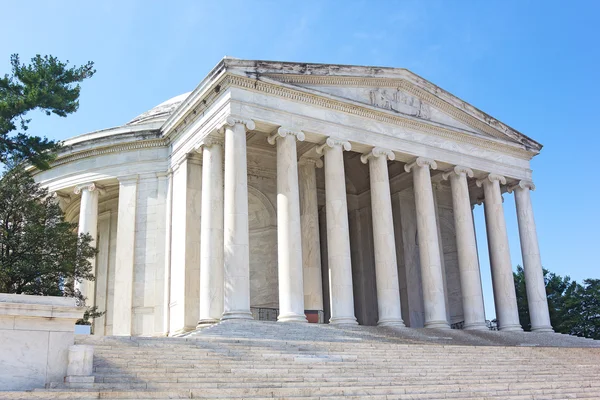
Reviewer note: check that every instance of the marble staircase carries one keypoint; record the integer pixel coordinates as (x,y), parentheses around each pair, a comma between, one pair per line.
(260,360)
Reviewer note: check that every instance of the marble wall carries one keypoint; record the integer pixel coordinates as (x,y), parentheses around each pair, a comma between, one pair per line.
(35,335)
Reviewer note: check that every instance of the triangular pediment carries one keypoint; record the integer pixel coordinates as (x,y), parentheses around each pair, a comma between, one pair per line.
(396,101)
(404,97)
(385,94)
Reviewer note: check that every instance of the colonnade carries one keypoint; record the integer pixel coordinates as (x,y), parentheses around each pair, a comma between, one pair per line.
(225,257)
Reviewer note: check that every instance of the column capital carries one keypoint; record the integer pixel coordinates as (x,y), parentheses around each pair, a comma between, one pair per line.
(458,171)
(522,184)
(421,162)
(90,187)
(332,142)
(209,141)
(377,152)
(491,178)
(317,162)
(283,132)
(232,120)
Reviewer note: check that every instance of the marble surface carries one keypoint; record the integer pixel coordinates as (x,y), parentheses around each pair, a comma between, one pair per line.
(505,298)
(432,278)
(289,236)
(35,335)
(532,261)
(125,257)
(309,220)
(338,236)
(236,234)
(149,263)
(211,240)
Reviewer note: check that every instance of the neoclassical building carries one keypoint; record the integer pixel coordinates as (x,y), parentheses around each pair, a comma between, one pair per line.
(301,192)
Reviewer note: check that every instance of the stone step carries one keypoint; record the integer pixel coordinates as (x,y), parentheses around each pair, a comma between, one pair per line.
(193,383)
(313,378)
(445,391)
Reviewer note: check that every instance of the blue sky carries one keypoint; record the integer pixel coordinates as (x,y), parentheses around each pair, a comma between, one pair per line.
(532,64)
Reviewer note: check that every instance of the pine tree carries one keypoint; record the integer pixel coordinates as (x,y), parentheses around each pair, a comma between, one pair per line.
(40,253)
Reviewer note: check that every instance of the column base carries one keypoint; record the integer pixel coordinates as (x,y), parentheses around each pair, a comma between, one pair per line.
(511,328)
(397,322)
(292,318)
(437,325)
(236,315)
(542,329)
(343,321)
(476,326)
(206,322)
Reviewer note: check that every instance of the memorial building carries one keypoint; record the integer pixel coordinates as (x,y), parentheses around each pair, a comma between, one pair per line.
(303,193)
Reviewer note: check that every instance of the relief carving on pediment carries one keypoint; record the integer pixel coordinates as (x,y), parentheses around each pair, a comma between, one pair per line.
(399,101)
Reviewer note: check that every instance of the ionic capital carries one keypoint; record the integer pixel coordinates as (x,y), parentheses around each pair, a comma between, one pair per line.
(332,142)
(522,184)
(458,171)
(283,132)
(491,178)
(90,187)
(317,162)
(377,152)
(421,162)
(209,141)
(232,120)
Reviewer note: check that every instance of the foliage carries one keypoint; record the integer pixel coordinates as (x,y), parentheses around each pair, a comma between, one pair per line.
(574,308)
(90,313)
(46,84)
(40,253)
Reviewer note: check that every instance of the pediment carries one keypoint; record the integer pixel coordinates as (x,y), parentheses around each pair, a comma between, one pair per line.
(397,101)
(405,97)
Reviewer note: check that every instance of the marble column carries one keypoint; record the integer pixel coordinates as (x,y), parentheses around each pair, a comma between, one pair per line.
(338,234)
(211,234)
(289,236)
(432,278)
(236,252)
(88,224)
(466,245)
(503,283)
(168,235)
(384,241)
(125,256)
(311,243)
(532,262)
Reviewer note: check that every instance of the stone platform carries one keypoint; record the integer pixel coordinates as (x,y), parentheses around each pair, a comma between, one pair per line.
(259,360)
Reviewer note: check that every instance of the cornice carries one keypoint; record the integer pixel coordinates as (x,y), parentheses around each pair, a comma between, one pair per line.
(140,144)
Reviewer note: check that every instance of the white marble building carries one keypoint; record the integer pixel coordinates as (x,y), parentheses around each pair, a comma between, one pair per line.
(341,193)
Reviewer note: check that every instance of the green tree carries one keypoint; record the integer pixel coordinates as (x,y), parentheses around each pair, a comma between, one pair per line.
(574,308)
(40,253)
(46,84)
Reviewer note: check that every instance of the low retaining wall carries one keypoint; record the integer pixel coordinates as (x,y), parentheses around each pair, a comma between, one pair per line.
(35,335)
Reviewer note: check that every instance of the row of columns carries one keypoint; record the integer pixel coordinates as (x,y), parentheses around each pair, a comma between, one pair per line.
(224,264)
